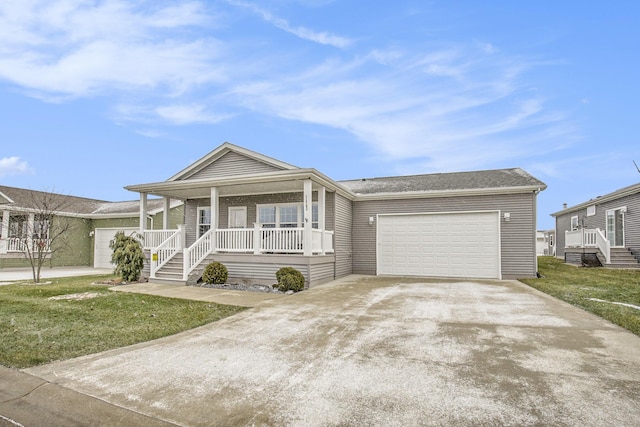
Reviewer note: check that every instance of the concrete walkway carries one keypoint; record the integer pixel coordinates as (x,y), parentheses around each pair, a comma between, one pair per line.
(11,275)
(365,351)
(220,296)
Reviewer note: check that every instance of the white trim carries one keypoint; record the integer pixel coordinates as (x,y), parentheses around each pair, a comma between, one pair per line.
(623,210)
(571,228)
(239,209)
(221,151)
(198,223)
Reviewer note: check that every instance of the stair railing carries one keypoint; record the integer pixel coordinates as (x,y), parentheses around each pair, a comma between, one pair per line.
(603,245)
(165,251)
(194,254)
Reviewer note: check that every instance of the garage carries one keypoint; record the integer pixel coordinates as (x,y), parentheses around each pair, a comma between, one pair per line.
(101,250)
(458,244)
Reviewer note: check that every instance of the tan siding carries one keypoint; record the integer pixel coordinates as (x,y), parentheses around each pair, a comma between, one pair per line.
(343,236)
(518,257)
(232,164)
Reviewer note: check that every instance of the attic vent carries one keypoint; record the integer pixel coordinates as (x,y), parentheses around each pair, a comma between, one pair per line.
(591,210)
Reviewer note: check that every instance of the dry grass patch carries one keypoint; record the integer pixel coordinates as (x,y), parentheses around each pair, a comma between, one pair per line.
(610,293)
(73,316)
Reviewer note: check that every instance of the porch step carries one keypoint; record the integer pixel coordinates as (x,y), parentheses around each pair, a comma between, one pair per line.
(164,281)
(623,258)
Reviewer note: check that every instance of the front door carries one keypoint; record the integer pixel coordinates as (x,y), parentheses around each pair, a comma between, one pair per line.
(615,226)
(238,217)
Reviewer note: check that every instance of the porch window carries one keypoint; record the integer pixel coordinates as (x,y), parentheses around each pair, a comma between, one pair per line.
(574,223)
(204,220)
(285,215)
(18,226)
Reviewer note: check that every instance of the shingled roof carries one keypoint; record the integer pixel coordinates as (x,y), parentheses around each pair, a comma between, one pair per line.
(22,198)
(443,182)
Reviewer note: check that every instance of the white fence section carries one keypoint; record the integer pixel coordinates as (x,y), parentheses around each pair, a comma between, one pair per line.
(235,240)
(161,254)
(194,254)
(154,238)
(282,240)
(255,240)
(589,238)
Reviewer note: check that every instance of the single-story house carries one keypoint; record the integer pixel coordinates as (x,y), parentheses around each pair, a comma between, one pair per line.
(606,228)
(545,242)
(256,214)
(93,223)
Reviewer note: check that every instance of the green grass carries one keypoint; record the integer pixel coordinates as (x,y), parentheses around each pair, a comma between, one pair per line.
(578,285)
(35,329)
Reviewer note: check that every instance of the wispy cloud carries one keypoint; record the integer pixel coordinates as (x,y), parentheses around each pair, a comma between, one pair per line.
(13,166)
(436,109)
(322,37)
(75,49)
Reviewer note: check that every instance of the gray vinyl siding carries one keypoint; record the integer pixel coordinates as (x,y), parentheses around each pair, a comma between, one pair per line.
(261,269)
(518,246)
(251,203)
(599,220)
(232,164)
(191,220)
(342,236)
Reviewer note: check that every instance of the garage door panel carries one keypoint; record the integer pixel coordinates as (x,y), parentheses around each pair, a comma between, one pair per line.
(102,252)
(450,245)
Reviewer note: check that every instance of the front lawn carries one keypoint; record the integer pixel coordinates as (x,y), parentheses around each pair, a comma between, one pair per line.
(601,291)
(72,317)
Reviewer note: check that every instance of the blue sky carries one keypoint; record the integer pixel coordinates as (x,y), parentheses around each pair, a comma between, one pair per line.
(96,95)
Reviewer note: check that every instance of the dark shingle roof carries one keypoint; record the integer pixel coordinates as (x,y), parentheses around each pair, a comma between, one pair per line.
(456,181)
(31,199)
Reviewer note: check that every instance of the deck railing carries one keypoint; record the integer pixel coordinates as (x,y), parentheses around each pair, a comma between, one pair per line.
(166,250)
(18,244)
(589,238)
(196,253)
(154,238)
(255,240)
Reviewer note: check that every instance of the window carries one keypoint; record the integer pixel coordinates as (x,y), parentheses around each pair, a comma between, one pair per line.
(591,210)
(267,216)
(204,220)
(285,215)
(550,239)
(574,223)
(41,228)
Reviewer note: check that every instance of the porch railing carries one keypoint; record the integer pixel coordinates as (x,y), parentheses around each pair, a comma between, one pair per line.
(154,238)
(17,244)
(166,250)
(235,240)
(589,238)
(317,243)
(194,254)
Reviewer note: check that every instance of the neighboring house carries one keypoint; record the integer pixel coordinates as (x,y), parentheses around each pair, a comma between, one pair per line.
(607,227)
(93,225)
(256,214)
(545,242)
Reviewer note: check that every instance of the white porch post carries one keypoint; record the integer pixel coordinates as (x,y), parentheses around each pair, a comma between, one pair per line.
(214,216)
(4,233)
(143,212)
(165,215)
(322,198)
(307,206)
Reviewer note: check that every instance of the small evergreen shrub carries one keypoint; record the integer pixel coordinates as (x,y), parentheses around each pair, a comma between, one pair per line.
(215,274)
(289,279)
(127,256)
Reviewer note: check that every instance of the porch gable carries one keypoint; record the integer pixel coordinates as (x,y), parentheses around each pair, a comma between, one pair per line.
(229,160)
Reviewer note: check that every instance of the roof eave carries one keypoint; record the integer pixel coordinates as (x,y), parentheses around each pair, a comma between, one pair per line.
(449,193)
(628,191)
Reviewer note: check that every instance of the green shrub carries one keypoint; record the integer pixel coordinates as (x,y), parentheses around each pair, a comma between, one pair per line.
(127,256)
(289,279)
(215,274)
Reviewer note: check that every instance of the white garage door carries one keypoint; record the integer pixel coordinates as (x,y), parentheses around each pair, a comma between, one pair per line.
(101,250)
(440,245)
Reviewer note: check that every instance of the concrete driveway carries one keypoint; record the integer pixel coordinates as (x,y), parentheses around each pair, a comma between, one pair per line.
(380,351)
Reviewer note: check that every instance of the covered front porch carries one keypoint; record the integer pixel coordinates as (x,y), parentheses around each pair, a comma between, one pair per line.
(256,227)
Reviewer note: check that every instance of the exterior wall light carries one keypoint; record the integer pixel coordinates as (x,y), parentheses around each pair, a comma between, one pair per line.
(507,216)
(372,220)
